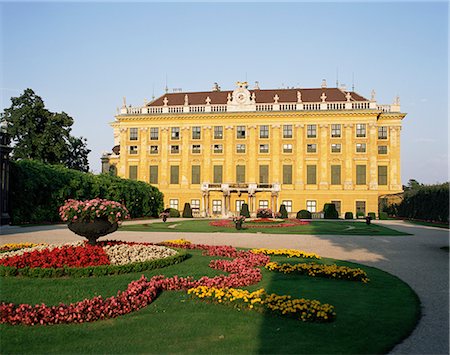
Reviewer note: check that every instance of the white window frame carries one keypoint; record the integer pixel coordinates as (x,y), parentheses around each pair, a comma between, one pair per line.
(263,203)
(288,205)
(217,207)
(311,205)
(174,203)
(287,148)
(239,204)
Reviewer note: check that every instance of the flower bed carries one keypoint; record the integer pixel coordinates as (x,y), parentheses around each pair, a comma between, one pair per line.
(260,223)
(286,252)
(83,259)
(16,246)
(319,270)
(243,271)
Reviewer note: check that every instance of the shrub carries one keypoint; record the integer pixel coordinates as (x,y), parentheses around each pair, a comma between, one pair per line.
(372,215)
(283,212)
(348,215)
(264,213)
(244,211)
(174,213)
(303,214)
(187,211)
(383,215)
(38,190)
(330,211)
(359,214)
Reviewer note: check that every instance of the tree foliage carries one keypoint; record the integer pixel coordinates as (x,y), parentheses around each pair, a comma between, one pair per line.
(42,135)
(38,190)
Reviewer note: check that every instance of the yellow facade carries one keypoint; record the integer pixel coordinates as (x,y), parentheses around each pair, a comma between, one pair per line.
(287,176)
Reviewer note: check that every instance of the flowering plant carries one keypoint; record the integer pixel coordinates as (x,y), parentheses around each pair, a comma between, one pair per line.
(89,210)
(239,219)
(264,213)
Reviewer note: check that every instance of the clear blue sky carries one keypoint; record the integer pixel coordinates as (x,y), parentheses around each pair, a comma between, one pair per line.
(82,58)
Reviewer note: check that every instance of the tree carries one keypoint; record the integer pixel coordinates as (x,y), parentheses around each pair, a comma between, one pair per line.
(42,135)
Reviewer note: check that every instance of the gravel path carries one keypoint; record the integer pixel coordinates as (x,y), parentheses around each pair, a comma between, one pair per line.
(417,259)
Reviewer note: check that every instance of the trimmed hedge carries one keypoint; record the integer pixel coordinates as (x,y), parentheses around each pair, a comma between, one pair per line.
(330,211)
(283,211)
(174,213)
(187,211)
(348,215)
(244,211)
(383,215)
(359,215)
(372,215)
(101,270)
(303,214)
(38,190)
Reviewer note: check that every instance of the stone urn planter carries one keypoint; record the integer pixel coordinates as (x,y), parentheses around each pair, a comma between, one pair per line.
(94,229)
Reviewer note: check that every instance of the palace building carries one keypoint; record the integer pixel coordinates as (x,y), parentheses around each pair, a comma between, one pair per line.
(299,147)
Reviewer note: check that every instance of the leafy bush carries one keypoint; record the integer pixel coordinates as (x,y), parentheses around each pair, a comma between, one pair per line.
(264,213)
(283,211)
(187,211)
(303,214)
(372,215)
(244,211)
(359,214)
(38,190)
(348,215)
(174,213)
(330,211)
(383,215)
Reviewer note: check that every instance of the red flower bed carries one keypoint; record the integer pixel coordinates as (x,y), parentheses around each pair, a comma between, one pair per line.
(243,272)
(260,223)
(69,256)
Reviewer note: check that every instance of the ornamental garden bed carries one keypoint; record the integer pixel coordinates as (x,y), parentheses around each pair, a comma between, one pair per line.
(329,306)
(260,223)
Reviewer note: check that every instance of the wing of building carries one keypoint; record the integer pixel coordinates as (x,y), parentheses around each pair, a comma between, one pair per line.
(299,147)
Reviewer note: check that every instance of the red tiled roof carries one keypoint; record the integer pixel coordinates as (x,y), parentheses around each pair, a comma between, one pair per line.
(262,96)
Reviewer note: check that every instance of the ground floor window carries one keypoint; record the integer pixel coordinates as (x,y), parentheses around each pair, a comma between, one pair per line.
(337,204)
(239,204)
(311,205)
(361,207)
(195,204)
(173,203)
(217,206)
(288,205)
(263,204)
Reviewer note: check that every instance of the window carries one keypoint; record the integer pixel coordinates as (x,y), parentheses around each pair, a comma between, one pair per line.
(337,204)
(336,148)
(360,174)
(335,174)
(132,172)
(311,205)
(288,205)
(174,149)
(175,133)
(335,131)
(173,203)
(153,174)
(196,148)
(311,148)
(154,149)
(195,204)
(311,175)
(195,174)
(263,204)
(174,174)
(218,132)
(382,132)
(263,131)
(311,131)
(218,148)
(240,148)
(239,204)
(287,174)
(240,132)
(196,132)
(287,148)
(360,147)
(133,134)
(382,175)
(264,174)
(382,149)
(361,207)
(217,206)
(217,170)
(133,149)
(287,131)
(264,148)
(154,133)
(240,174)
(360,130)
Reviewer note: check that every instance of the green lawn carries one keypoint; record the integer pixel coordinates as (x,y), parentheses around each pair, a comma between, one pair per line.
(315,227)
(430,224)
(371,318)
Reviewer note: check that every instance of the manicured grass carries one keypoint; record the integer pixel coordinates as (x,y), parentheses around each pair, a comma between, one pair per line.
(430,224)
(371,318)
(315,227)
